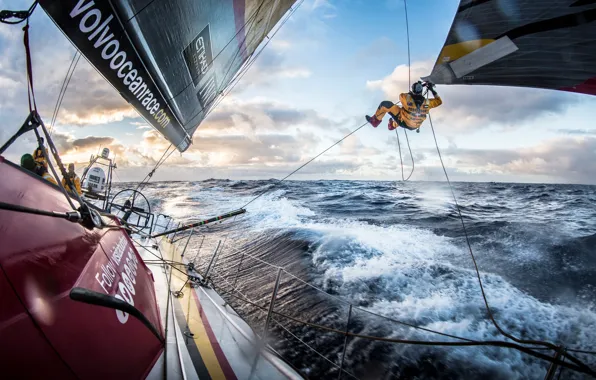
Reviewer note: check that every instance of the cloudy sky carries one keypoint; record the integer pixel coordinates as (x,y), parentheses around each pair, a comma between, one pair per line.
(331,64)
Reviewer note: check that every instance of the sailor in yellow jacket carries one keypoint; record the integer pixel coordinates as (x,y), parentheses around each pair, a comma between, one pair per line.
(42,171)
(38,155)
(74,178)
(413,110)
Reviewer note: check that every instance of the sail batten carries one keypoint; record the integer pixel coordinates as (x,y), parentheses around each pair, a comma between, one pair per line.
(549,44)
(169,60)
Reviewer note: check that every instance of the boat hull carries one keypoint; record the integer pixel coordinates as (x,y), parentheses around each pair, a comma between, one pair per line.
(45,333)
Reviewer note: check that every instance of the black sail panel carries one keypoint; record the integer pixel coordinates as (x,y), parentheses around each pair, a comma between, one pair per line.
(544,44)
(169,59)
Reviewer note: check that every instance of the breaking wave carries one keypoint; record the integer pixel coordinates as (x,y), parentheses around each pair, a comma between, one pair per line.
(398,250)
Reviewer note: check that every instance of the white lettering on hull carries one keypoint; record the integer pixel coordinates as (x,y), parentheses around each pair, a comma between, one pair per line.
(125,288)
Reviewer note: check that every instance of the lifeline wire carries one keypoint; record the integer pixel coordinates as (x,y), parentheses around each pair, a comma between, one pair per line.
(466,342)
(420,342)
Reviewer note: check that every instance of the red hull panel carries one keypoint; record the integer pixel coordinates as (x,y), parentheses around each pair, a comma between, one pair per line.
(41,260)
(22,342)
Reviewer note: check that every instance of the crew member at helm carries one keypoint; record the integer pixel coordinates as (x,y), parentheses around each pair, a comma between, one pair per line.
(74,178)
(413,110)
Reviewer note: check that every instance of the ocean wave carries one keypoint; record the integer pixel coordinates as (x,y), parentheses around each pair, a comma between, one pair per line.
(398,249)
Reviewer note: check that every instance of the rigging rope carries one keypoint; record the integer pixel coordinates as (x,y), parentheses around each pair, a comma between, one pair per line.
(400,157)
(19,15)
(157,165)
(408,38)
(40,123)
(240,74)
(484,297)
(149,175)
(230,88)
(250,20)
(30,90)
(307,162)
(62,93)
(409,85)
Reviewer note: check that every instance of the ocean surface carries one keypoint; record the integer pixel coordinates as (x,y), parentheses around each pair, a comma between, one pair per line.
(397,252)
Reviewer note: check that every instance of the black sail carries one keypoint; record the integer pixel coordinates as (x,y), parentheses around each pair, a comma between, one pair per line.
(168,59)
(527,43)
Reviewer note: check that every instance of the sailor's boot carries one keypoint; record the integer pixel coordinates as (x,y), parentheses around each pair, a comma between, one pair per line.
(373,121)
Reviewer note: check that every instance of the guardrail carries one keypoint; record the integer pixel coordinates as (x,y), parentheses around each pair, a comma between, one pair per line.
(225,281)
(206,264)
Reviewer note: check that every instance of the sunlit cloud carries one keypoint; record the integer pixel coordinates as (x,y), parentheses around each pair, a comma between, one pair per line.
(279,44)
(568,159)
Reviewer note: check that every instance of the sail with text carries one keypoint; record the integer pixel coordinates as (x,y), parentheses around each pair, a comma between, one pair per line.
(169,59)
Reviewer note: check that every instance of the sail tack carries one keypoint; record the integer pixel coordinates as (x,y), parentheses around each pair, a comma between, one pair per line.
(169,59)
(544,44)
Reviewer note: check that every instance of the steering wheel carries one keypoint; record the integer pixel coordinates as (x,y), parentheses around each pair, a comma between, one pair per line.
(132,207)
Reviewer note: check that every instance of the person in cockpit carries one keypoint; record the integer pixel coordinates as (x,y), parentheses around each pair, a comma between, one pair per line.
(38,155)
(74,178)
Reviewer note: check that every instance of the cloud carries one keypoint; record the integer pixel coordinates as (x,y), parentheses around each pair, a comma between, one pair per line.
(268,69)
(260,115)
(325,4)
(145,154)
(295,73)
(580,132)
(561,159)
(353,147)
(89,100)
(270,149)
(381,48)
(325,8)
(467,107)
(69,145)
(265,135)
(91,141)
(279,44)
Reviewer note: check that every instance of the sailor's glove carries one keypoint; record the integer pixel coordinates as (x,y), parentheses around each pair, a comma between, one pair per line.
(431,87)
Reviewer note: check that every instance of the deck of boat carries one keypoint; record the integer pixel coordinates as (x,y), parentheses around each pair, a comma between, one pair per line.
(205,337)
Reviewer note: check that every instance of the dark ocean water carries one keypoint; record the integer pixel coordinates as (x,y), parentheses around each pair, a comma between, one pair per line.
(398,250)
